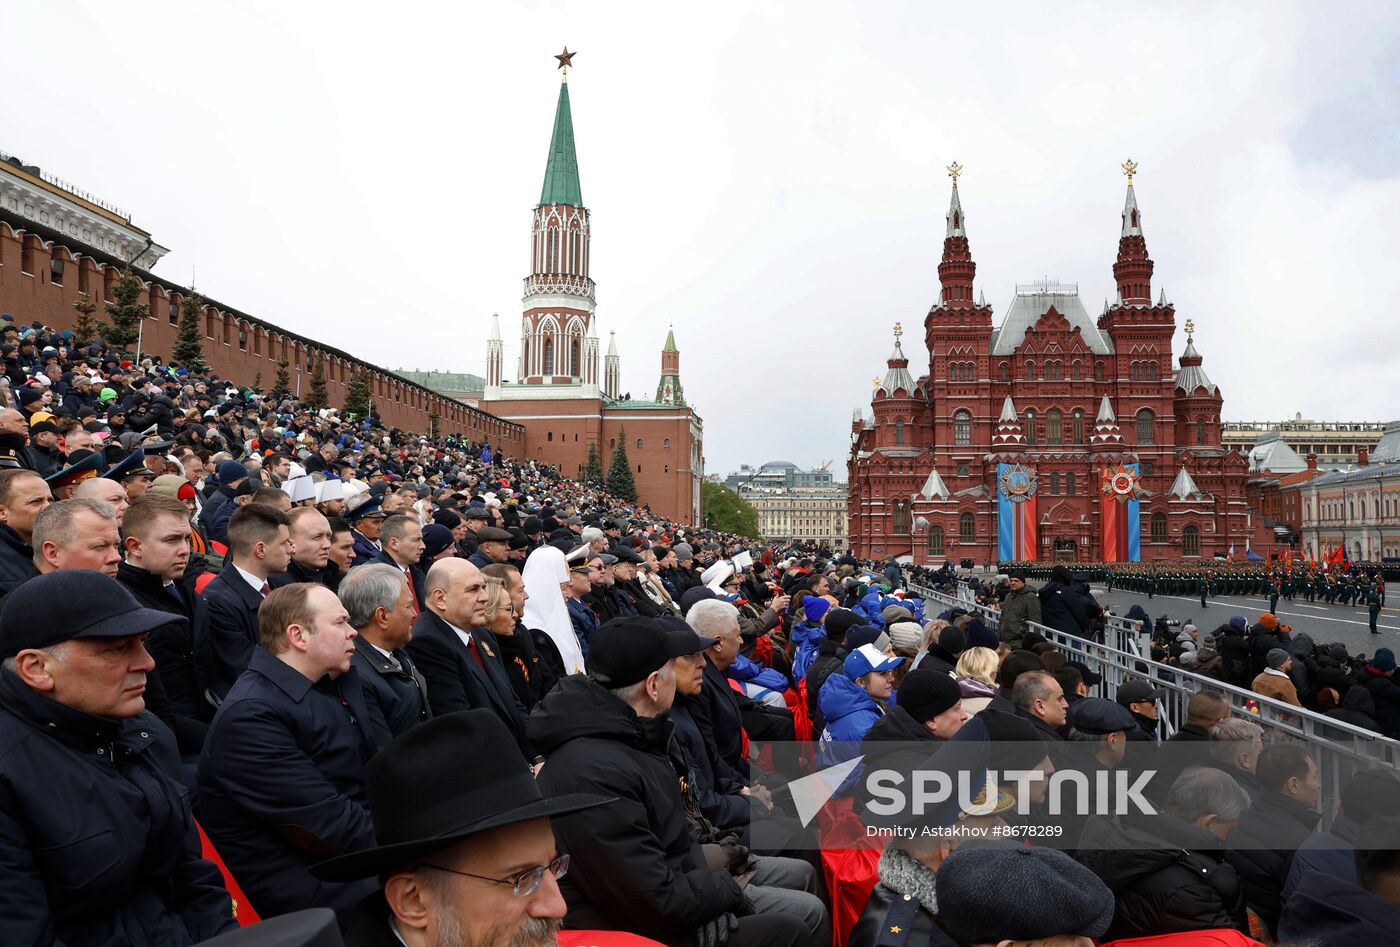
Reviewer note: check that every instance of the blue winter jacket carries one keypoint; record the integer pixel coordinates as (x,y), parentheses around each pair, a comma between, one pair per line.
(849,712)
(870,607)
(805,636)
(747,671)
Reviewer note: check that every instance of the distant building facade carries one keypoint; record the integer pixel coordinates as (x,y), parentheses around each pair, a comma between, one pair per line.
(1086,424)
(565,399)
(1334,442)
(794,505)
(462,386)
(1358,508)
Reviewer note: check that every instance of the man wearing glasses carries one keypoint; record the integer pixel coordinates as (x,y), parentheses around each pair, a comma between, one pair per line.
(465,854)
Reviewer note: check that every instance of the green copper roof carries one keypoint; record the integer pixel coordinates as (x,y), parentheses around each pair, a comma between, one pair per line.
(670,341)
(561,172)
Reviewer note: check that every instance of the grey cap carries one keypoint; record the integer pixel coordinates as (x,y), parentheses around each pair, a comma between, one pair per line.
(1276,658)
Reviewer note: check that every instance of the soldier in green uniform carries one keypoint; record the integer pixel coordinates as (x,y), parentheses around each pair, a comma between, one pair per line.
(1373,607)
(1203,584)
(1151,584)
(1274,588)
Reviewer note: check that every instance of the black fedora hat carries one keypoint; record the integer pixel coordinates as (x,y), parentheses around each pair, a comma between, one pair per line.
(423,799)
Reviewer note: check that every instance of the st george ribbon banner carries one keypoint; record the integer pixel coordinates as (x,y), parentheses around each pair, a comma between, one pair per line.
(1122,524)
(1016,487)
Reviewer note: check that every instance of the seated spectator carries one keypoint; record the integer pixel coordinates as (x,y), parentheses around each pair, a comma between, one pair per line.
(530,657)
(602,735)
(1019,896)
(380,606)
(1366,795)
(259,547)
(1235,745)
(943,653)
(1262,847)
(1190,745)
(457,656)
(1330,911)
(1385,692)
(23,495)
(582,569)
(157,552)
(1039,699)
(975,675)
(1168,871)
(310,533)
(281,779)
(100,847)
(905,898)
(1273,682)
(928,710)
(852,702)
(831,654)
(438,873)
(402,538)
(106,490)
(77,534)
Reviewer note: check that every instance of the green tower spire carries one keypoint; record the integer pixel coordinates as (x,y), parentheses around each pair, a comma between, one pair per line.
(561,171)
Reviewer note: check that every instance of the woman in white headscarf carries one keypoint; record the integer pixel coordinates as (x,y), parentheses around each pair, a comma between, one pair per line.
(544,575)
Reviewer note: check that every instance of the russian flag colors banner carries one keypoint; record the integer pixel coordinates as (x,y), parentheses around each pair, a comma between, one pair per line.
(1122,522)
(1016,540)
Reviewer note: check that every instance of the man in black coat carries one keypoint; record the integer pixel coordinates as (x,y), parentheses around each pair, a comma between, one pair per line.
(1261,847)
(381,611)
(226,617)
(23,496)
(457,656)
(1265,637)
(492,546)
(607,733)
(100,847)
(402,538)
(282,777)
(157,544)
(1062,607)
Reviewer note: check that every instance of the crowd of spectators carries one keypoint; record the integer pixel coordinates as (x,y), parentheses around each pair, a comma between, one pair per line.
(261,659)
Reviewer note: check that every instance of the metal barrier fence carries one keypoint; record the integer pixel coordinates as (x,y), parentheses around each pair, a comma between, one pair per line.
(1123,633)
(1339,749)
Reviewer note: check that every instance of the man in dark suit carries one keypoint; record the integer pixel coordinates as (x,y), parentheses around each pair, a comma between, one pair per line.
(457,656)
(227,615)
(493,546)
(381,610)
(311,551)
(402,539)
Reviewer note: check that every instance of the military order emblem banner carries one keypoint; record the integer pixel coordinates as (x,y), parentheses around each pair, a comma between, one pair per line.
(1122,524)
(1016,485)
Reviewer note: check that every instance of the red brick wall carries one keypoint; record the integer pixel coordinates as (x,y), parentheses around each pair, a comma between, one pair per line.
(238,347)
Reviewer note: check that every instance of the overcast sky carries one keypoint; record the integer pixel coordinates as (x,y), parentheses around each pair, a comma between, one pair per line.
(766,176)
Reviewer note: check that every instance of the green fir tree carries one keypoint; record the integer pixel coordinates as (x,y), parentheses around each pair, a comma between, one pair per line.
(620,483)
(316,398)
(85,327)
(189,343)
(257,381)
(125,312)
(592,471)
(357,396)
(434,422)
(282,384)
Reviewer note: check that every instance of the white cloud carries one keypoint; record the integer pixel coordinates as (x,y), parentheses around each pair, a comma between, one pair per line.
(769,177)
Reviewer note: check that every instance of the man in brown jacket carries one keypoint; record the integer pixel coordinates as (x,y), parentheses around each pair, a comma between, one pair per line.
(1274,681)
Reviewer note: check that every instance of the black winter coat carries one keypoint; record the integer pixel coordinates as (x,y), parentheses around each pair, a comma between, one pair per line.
(1064,609)
(1261,849)
(282,785)
(719,801)
(99,847)
(829,660)
(1328,912)
(178,699)
(16,560)
(1261,642)
(1385,694)
(897,742)
(1358,709)
(396,696)
(646,872)
(1167,876)
(1234,659)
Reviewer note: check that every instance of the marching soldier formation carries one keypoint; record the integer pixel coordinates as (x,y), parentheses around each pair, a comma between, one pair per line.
(1361,585)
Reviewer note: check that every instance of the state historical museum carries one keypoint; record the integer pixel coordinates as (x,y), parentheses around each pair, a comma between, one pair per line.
(1051,436)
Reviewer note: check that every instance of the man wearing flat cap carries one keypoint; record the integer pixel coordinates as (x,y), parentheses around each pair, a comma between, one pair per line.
(492,546)
(97,842)
(607,733)
(465,854)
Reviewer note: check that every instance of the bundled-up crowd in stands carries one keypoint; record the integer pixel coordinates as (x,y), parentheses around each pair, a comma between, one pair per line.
(259,659)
